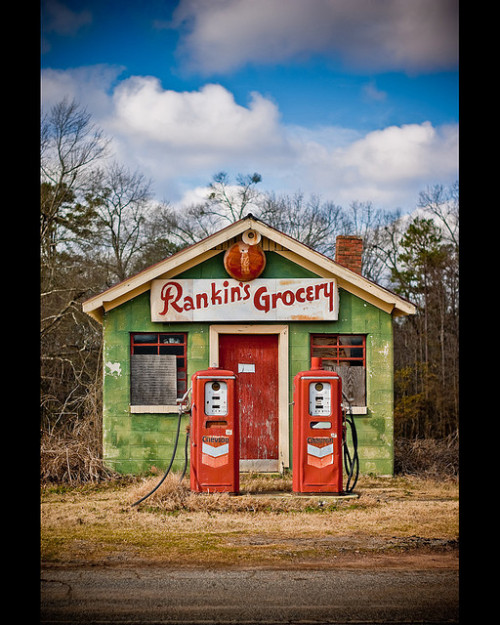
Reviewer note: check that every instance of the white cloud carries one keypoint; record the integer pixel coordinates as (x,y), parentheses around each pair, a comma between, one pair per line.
(206,120)
(389,167)
(400,153)
(89,86)
(179,136)
(180,140)
(408,35)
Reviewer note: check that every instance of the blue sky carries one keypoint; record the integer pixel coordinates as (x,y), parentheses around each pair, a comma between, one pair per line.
(352,100)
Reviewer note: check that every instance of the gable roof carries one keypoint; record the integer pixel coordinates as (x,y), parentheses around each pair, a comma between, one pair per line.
(212,245)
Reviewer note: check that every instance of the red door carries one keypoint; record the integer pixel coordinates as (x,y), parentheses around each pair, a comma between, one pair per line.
(254,358)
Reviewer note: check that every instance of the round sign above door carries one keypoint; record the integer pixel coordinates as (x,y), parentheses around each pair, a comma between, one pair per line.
(244,262)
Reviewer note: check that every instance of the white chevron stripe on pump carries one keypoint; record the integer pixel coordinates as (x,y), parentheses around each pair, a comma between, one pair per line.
(319,452)
(215,452)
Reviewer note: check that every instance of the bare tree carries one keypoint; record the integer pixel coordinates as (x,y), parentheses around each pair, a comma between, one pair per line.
(317,223)
(159,238)
(374,226)
(232,202)
(225,203)
(70,145)
(120,200)
(310,221)
(426,345)
(443,204)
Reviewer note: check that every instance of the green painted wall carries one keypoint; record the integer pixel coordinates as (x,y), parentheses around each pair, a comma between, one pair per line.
(133,443)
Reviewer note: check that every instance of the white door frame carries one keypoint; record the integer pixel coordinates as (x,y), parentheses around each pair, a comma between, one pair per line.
(282,332)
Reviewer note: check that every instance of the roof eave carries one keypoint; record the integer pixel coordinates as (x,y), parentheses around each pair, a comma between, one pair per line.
(96,306)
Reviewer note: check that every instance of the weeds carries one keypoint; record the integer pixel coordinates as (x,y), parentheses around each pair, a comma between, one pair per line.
(274,497)
(72,458)
(75,460)
(427,457)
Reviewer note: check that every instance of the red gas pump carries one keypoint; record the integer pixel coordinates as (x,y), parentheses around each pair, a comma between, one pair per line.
(214,432)
(317,431)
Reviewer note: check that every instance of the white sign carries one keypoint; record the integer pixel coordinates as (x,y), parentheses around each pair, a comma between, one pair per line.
(246,368)
(301,299)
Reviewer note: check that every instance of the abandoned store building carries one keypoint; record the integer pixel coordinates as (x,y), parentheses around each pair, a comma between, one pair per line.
(257,302)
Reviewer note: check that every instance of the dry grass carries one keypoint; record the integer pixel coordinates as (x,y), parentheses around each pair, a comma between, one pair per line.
(176,527)
(174,495)
(427,457)
(88,516)
(72,455)
(71,462)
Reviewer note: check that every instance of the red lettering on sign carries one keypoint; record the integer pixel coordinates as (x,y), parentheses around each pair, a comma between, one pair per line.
(330,293)
(171,292)
(201,300)
(300,292)
(215,297)
(261,299)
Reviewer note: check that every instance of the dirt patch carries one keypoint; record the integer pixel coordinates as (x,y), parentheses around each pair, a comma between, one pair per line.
(367,544)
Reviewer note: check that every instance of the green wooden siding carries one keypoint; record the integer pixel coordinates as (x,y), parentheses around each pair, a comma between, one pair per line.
(133,443)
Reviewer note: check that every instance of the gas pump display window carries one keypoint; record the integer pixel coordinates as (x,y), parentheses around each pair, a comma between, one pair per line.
(319,399)
(216,398)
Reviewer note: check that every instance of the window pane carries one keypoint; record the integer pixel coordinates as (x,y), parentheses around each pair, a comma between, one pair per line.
(172,339)
(145,349)
(324,339)
(145,338)
(325,352)
(172,349)
(350,340)
(350,352)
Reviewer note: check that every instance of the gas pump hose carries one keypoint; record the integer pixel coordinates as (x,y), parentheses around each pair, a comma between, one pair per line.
(186,451)
(351,463)
(181,412)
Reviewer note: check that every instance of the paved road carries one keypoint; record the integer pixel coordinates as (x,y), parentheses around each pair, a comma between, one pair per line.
(158,595)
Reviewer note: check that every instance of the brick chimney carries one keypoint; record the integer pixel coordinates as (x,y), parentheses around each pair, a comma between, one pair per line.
(348,251)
